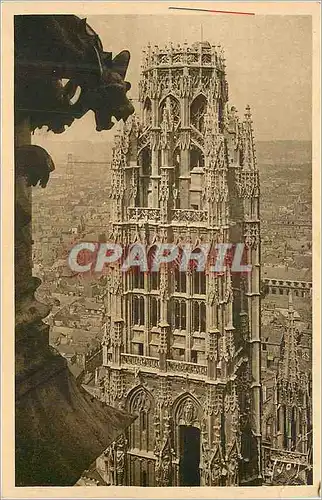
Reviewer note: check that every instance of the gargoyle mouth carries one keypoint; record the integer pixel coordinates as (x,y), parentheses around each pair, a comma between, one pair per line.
(104,121)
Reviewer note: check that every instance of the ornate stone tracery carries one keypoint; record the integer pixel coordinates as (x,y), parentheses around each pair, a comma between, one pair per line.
(140,401)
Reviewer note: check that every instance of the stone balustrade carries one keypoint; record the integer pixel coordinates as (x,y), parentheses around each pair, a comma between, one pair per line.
(135,360)
(143,214)
(185,367)
(189,215)
(199,54)
(172,365)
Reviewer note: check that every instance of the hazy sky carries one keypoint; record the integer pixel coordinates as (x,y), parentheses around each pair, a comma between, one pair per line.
(268,58)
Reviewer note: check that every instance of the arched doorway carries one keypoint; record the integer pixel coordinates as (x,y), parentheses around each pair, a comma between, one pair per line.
(189,449)
(188,442)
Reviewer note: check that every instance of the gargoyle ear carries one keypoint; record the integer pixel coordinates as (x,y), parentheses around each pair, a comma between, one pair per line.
(121,62)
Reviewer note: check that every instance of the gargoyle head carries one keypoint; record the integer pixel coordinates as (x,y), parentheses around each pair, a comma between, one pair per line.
(52,48)
(34,163)
(109,98)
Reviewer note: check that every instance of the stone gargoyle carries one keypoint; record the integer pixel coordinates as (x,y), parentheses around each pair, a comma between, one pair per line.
(62,72)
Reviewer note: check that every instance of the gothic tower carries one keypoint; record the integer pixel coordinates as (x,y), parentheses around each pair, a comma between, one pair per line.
(287,417)
(293,404)
(182,348)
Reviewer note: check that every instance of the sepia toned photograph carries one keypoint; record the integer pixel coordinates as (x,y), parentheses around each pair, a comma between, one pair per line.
(163,249)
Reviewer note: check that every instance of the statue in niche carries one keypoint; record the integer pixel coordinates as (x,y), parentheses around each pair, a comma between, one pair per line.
(188,413)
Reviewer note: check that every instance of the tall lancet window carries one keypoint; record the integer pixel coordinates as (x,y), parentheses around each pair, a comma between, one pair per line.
(173,107)
(179,277)
(138,310)
(145,174)
(154,276)
(147,113)
(197,113)
(179,314)
(141,403)
(180,280)
(137,278)
(146,162)
(176,179)
(154,311)
(199,316)
(197,159)
(198,265)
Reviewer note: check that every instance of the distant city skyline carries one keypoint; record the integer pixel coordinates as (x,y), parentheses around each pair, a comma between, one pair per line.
(268,65)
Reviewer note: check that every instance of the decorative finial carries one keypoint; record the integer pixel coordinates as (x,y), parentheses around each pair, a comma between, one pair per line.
(248,112)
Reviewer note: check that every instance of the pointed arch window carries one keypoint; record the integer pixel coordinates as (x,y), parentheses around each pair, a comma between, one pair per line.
(154,275)
(180,280)
(197,112)
(173,105)
(176,183)
(199,282)
(137,278)
(199,316)
(147,113)
(180,277)
(154,311)
(179,314)
(197,158)
(198,277)
(141,403)
(138,310)
(146,162)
